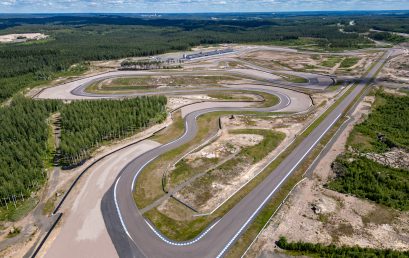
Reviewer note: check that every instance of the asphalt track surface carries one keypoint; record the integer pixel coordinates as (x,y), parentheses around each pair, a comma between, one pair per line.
(133,236)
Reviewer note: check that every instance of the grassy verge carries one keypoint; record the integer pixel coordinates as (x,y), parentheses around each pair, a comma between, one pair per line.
(49,205)
(230,96)
(173,131)
(336,86)
(231,169)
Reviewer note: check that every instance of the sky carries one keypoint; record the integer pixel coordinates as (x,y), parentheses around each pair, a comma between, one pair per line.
(194,6)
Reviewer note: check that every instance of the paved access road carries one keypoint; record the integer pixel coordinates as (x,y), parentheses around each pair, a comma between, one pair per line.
(83,233)
(133,236)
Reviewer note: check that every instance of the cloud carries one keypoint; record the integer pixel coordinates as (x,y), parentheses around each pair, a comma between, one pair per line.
(196,5)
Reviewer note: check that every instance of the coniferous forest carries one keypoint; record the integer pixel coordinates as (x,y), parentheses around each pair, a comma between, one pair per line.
(85,124)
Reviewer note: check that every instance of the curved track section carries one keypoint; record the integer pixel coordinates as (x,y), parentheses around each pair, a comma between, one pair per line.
(131,234)
(137,235)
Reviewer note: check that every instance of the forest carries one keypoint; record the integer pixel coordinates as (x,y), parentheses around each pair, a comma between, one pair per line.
(23,140)
(77,39)
(85,124)
(323,251)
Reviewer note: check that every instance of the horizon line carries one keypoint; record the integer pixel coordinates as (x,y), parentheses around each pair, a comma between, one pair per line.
(215,12)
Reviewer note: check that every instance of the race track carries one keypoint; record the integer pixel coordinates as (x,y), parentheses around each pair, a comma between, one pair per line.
(133,236)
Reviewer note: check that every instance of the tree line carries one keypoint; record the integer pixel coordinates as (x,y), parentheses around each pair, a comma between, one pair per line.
(332,251)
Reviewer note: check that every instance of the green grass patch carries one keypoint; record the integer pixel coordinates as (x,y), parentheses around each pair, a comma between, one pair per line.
(49,205)
(149,83)
(331,61)
(178,230)
(270,141)
(349,62)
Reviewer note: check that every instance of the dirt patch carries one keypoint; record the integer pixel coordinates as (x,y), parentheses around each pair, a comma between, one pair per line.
(22,37)
(396,158)
(225,145)
(318,215)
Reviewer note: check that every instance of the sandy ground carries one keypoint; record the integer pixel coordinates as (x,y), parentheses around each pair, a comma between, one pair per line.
(11,38)
(83,233)
(225,145)
(397,69)
(274,59)
(338,218)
